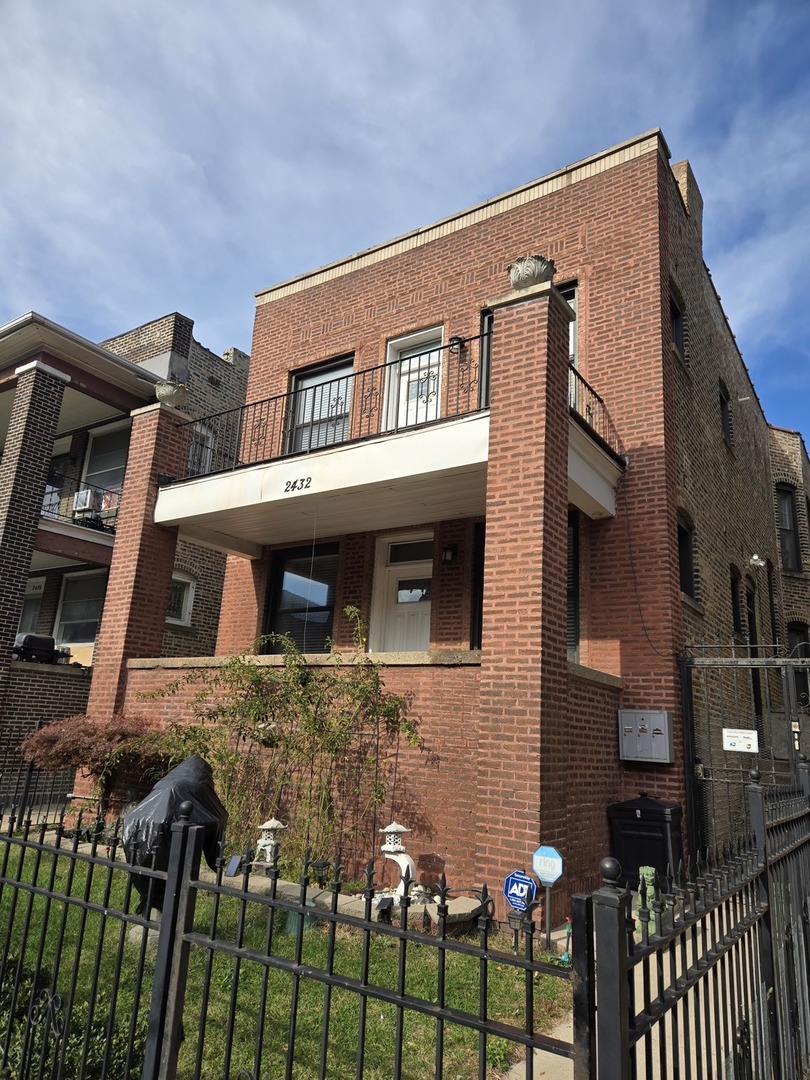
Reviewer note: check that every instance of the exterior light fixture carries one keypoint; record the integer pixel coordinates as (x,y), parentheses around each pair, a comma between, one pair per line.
(456,343)
(449,552)
(757,562)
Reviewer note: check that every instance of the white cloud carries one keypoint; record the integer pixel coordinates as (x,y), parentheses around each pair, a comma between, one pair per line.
(160,156)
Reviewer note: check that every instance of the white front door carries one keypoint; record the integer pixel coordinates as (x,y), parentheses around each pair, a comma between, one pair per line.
(402,593)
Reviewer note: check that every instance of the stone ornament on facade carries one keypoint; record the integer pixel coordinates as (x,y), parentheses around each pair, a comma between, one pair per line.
(530,270)
(172,393)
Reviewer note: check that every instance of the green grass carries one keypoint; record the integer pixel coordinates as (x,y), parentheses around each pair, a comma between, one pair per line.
(101,1018)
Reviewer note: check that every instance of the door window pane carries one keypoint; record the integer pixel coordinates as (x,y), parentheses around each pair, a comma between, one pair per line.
(413,591)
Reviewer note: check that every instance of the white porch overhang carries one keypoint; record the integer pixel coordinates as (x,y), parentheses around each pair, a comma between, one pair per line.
(413,477)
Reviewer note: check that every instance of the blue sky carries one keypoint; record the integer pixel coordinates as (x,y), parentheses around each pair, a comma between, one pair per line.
(159,156)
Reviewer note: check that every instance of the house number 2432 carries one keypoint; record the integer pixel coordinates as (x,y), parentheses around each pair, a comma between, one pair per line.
(298,485)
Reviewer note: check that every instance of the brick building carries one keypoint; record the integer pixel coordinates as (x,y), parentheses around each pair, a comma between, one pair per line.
(550,500)
(65,420)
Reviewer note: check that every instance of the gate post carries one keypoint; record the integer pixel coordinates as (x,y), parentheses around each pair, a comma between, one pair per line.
(584,987)
(803,769)
(756,804)
(171,964)
(611,912)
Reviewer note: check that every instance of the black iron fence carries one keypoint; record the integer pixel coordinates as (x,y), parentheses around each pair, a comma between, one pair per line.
(708,977)
(246,977)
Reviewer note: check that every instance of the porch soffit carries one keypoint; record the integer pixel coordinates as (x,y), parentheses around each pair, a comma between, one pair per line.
(436,473)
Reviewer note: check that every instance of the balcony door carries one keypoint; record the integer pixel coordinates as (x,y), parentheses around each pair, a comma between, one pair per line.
(414,379)
(402,594)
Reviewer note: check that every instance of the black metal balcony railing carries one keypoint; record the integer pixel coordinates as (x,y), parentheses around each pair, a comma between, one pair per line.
(69,498)
(442,383)
(589,408)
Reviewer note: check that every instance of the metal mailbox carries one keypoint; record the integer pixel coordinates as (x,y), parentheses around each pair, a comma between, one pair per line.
(646,735)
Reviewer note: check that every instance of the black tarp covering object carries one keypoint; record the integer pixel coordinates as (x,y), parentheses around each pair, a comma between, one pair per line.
(146,833)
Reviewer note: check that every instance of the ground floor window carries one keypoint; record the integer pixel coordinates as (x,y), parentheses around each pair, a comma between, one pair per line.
(181,599)
(302,596)
(80,608)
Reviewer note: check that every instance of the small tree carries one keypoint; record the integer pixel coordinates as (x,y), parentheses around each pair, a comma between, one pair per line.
(316,746)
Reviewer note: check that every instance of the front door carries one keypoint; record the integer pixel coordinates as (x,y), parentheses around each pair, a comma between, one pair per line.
(402,594)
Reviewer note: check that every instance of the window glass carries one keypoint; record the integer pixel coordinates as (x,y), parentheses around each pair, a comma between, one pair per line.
(413,591)
(181,599)
(320,407)
(80,610)
(107,459)
(411,551)
(686,558)
(413,379)
(200,450)
(303,596)
(788,527)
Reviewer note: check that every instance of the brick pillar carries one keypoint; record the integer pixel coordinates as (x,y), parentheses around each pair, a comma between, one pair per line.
(134,616)
(524,658)
(23,471)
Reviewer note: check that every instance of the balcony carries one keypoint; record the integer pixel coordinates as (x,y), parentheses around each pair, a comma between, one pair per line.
(427,388)
(70,500)
(395,445)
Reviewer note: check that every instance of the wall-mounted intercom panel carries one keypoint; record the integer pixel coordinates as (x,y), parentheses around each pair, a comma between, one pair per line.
(646,735)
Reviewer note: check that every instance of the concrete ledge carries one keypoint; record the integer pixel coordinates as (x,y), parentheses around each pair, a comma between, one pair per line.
(437,658)
(592,675)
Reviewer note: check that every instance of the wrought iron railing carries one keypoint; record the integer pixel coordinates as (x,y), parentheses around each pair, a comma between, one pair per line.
(70,498)
(589,408)
(439,384)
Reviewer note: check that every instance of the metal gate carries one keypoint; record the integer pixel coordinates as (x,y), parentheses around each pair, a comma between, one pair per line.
(725,692)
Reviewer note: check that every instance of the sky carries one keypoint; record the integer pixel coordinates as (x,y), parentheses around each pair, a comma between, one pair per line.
(163,155)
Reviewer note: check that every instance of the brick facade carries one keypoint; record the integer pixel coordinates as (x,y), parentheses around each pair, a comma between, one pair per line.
(526,740)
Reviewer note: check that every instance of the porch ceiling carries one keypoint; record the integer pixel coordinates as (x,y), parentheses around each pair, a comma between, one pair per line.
(407,478)
(435,473)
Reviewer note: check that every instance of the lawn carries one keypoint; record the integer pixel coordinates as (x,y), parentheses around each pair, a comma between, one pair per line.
(76,978)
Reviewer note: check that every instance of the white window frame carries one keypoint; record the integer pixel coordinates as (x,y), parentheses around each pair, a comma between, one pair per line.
(58,621)
(97,500)
(190,583)
(431,336)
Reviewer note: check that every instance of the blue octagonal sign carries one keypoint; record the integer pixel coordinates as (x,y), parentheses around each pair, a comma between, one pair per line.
(519,890)
(547,863)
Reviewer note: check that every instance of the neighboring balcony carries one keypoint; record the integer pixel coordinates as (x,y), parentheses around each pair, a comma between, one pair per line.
(349,451)
(74,509)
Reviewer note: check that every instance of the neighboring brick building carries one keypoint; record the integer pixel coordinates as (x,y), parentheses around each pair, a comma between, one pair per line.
(65,408)
(537,523)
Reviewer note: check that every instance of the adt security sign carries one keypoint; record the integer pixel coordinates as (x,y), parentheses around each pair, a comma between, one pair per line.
(547,863)
(519,890)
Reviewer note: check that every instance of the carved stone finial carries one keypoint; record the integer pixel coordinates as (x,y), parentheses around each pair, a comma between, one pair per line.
(530,270)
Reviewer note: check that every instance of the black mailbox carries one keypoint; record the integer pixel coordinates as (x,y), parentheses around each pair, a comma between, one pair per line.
(645,832)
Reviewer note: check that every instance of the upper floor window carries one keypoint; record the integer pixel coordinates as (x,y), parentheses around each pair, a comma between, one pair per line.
(725,414)
(200,450)
(799,649)
(788,523)
(686,556)
(677,327)
(414,379)
(569,293)
(107,459)
(320,406)
(736,606)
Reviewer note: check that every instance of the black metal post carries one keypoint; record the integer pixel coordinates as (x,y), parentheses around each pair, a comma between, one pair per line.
(803,769)
(171,965)
(611,910)
(756,804)
(584,983)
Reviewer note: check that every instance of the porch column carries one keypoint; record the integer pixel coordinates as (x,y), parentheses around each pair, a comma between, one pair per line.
(524,672)
(134,616)
(23,472)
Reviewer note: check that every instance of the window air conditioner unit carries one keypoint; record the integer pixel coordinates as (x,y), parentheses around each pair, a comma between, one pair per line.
(84,500)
